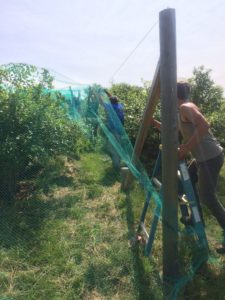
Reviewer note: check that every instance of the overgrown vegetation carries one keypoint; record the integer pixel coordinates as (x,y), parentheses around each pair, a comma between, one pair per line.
(69,243)
(69,238)
(209,97)
(205,93)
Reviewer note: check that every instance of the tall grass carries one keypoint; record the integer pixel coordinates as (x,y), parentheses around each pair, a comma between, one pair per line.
(68,237)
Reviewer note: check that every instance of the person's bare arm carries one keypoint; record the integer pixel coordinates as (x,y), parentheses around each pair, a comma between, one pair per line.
(155,123)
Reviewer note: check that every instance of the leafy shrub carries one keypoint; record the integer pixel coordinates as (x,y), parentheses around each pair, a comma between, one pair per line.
(209,97)
(216,120)
(34,125)
(204,92)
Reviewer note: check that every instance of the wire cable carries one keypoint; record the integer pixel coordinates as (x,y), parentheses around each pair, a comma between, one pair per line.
(135,48)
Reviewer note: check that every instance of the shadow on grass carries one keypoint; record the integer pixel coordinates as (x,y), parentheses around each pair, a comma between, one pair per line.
(110,176)
(21,221)
(98,276)
(62,181)
(142,280)
(208,283)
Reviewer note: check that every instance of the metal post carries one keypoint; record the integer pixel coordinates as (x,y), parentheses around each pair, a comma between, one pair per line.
(169,134)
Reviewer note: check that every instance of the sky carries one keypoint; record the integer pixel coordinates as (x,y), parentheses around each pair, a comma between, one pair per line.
(88,40)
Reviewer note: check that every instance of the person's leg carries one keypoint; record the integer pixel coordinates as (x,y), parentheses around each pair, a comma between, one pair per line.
(193,173)
(208,173)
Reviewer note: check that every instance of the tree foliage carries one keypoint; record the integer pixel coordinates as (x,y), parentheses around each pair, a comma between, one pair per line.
(216,119)
(204,92)
(14,76)
(34,125)
(209,97)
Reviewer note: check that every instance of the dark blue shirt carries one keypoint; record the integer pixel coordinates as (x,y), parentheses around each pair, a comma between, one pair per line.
(112,122)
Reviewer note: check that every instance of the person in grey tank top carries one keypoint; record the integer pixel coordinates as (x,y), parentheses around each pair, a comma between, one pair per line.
(200,142)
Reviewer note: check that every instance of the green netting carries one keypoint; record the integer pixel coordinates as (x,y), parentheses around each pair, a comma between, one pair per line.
(86,106)
(89,108)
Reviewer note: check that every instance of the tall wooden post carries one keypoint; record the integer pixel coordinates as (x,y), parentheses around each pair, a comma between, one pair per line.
(169,134)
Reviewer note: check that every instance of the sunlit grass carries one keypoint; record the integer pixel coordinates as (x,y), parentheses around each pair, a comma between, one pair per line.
(70,239)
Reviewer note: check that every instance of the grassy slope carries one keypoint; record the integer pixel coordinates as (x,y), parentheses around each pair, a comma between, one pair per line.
(70,240)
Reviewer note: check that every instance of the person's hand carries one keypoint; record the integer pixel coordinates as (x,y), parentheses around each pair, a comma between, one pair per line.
(155,123)
(182,151)
(152,121)
(107,93)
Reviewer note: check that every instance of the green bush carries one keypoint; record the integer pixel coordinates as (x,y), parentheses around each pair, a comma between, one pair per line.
(216,120)
(204,92)
(34,125)
(209,97)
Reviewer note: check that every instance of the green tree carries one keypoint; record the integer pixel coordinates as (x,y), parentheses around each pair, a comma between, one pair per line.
(217,123)
(14,76)
(209,97)
(34,124)
(204,92)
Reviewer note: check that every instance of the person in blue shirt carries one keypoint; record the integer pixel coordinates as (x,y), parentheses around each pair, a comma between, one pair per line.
(114,122)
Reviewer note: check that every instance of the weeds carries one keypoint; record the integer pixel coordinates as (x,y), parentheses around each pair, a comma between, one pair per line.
(68,238)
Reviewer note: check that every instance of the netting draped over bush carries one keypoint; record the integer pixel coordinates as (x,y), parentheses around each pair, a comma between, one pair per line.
(87,107)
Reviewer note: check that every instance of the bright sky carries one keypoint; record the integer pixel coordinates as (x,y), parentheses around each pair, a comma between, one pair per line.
(88,40)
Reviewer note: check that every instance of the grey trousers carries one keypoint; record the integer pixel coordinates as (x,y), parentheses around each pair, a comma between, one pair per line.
(208,173)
